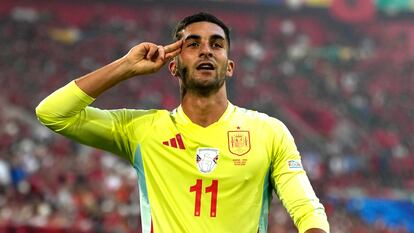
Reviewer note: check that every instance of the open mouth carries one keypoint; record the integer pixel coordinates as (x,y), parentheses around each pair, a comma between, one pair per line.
(205,66)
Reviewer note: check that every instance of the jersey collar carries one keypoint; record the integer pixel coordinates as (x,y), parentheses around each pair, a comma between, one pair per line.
(182,118)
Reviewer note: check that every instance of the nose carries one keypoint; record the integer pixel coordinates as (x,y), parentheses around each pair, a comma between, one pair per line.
(205,50)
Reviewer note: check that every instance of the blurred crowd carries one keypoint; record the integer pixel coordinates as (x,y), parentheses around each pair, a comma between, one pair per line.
(345,91)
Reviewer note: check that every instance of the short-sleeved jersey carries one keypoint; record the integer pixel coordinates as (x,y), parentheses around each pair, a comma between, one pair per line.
(191,178)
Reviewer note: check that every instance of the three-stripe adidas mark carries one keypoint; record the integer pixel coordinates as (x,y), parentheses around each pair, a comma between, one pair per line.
(176,142)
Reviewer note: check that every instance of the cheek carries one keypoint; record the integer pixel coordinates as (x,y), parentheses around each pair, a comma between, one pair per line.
(187,53)
(185,61)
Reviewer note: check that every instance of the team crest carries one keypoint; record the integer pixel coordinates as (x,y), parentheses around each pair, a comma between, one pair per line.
(207,159)
(239,142)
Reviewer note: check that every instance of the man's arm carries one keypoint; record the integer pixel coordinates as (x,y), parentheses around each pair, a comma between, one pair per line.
(293,187)
(144,58)
(67,112)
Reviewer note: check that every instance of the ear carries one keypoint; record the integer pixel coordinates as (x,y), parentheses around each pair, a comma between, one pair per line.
(230,68)
(172,66)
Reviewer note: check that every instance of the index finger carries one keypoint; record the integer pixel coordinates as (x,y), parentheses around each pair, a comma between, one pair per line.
(174,46)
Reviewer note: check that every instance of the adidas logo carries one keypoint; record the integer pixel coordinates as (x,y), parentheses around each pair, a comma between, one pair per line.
(176,142)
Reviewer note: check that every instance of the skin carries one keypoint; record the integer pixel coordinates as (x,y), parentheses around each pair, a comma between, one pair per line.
(315,230)
(144,58)
(203,92)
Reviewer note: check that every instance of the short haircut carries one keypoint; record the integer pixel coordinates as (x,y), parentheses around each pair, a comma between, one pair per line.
(200,17)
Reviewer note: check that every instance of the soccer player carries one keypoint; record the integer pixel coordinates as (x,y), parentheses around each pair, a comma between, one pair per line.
(206,166)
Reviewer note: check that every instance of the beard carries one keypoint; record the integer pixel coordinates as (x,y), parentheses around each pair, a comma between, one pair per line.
(197,85)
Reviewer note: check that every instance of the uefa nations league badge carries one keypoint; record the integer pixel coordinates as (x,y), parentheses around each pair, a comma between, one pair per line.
(207,159)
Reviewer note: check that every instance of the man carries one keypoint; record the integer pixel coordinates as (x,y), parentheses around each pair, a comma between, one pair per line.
(206,166)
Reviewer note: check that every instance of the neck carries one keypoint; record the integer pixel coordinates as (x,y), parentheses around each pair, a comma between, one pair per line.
(205,110)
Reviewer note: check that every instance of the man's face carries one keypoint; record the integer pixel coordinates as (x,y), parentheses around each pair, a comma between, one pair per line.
(203,64)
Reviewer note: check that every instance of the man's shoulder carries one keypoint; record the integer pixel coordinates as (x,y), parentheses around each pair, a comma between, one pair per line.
(254,114)
(137,111)
(259,118)
(140,114)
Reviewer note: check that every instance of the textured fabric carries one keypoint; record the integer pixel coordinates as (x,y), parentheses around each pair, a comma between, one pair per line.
(195,179)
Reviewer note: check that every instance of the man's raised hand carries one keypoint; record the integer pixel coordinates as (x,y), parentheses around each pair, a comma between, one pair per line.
(146,57)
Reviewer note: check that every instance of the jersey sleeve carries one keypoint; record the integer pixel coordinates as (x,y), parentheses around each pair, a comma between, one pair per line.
(292,184)
(67,112)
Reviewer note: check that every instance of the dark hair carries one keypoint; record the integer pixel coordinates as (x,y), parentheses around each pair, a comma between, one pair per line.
(200,17)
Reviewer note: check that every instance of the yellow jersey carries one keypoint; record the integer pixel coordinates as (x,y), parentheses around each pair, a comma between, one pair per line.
(195,179)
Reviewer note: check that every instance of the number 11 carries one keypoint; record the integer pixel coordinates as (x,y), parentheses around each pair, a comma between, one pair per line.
(213,189)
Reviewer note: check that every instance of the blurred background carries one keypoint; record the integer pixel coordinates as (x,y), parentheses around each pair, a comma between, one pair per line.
(339,73)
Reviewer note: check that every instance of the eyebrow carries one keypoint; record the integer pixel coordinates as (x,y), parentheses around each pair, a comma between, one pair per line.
(217,37)
(192,37)
(197,37)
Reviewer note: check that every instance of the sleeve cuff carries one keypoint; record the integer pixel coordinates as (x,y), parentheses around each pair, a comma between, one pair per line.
(74,88)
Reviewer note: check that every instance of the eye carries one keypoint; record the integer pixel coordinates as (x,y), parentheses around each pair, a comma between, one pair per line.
(217,45)
(193,44)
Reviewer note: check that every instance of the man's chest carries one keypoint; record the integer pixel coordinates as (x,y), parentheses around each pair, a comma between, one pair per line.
(227,150)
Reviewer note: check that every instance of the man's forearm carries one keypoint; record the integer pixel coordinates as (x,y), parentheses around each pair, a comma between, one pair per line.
(144,58)
(98,81)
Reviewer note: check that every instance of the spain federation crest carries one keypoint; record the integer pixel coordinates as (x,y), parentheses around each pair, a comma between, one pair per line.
(239,142)
(206,159)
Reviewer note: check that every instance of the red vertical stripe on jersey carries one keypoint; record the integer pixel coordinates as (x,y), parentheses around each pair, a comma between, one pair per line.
(180,141)
(165,143)
(173,142)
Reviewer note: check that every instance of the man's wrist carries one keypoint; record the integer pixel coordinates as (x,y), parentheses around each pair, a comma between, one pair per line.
(125,68)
